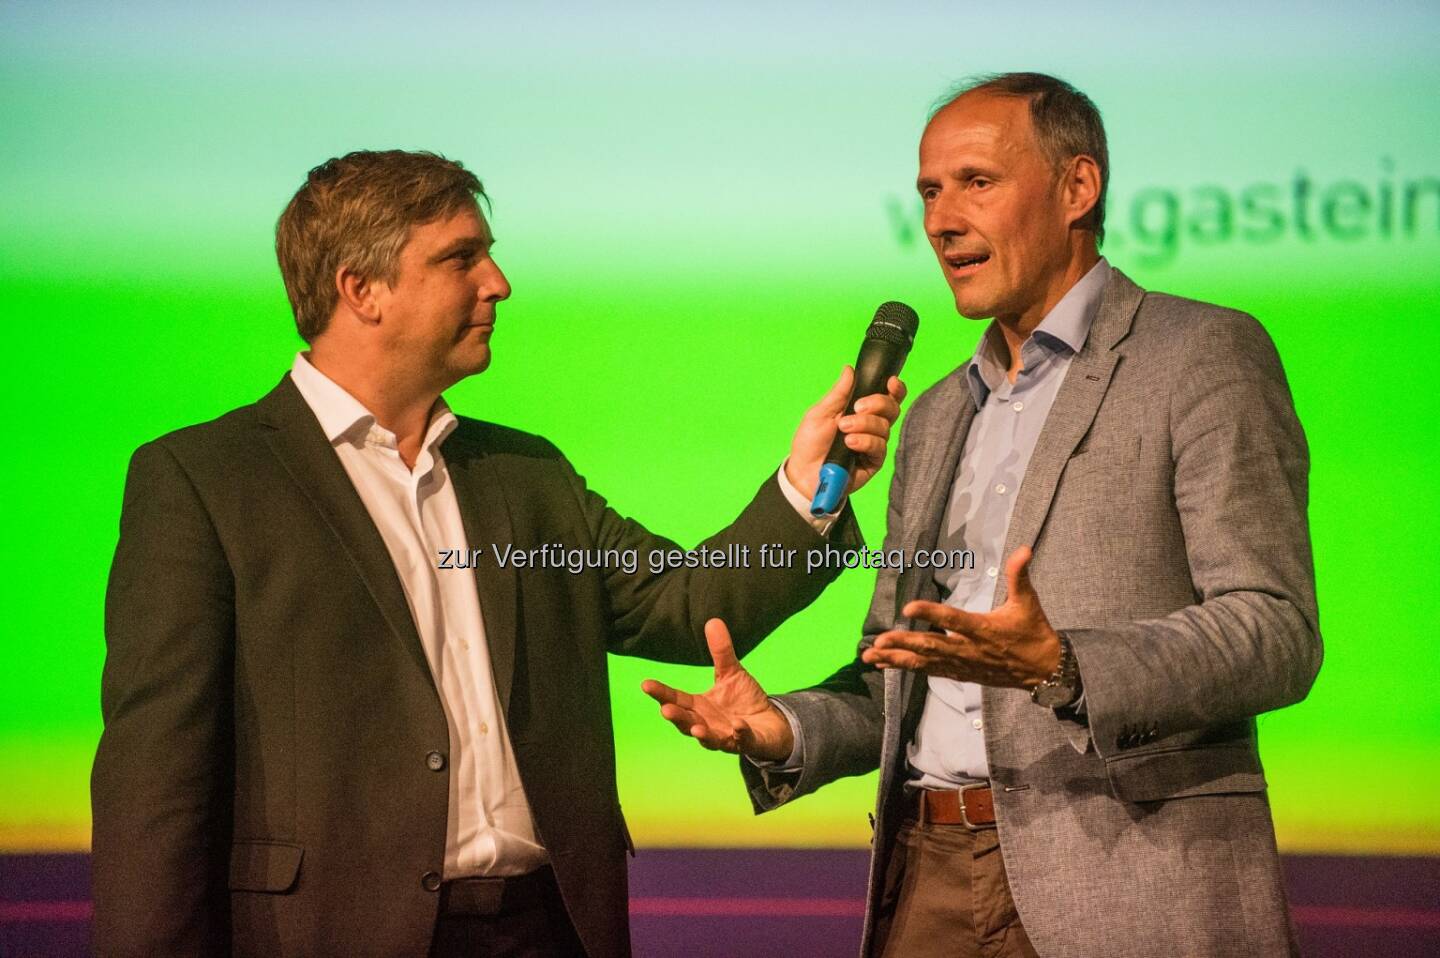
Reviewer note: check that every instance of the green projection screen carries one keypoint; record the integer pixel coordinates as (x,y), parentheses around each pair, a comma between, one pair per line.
(699,207)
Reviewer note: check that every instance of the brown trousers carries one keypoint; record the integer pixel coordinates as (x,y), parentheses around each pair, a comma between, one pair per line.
(946,896)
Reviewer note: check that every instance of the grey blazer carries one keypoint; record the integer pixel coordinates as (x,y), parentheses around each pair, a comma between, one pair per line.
(1166,505)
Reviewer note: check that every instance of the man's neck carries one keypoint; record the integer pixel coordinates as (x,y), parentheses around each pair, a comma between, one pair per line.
(397,403)
(1017,329)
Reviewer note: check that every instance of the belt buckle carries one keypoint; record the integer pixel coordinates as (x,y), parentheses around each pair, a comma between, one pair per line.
(964,812)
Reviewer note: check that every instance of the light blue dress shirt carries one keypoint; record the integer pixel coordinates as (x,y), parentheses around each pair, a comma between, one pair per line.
(948,750)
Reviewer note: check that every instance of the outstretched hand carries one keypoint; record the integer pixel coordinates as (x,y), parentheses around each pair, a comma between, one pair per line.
(1012,646)
(735,715)
(867,432)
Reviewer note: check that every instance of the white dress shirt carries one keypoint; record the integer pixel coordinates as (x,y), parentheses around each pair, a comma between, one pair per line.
(490,828)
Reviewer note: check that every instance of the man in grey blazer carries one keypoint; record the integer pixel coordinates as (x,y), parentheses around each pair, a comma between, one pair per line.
(1064,720)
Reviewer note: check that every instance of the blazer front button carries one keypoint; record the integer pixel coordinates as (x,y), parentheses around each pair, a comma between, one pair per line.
(430,881)
(435,761)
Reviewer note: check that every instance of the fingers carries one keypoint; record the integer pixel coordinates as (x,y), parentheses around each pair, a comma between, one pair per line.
(1017,574)
(923,643)
(945,616)
(722,650)
(886,407)
(866,433)
(879,404)
(725,738)
(883,404)
(692,724)
(858,424)
(665,695)
(947,654)
(872,448)
(683,719)
(679,709)
(894,659)
(833,402)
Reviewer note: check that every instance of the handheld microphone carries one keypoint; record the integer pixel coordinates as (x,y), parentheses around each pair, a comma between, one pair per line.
(882,354)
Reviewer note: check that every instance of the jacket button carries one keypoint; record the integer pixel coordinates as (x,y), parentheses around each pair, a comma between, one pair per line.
(435,761)
(430,881)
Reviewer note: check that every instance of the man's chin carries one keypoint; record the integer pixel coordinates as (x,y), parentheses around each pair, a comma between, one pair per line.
(474,362)
(971,309)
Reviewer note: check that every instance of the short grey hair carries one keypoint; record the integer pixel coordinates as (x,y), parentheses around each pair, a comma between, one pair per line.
(1067,124)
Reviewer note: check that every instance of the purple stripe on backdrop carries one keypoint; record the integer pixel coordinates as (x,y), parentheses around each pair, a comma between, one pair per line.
(1340,916)
(14,912)
(719,902)
(72,911)
(750,907)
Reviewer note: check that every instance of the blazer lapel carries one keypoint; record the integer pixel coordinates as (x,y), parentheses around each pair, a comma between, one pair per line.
(1070,416)
(299,443)
(486,515)
(932,474)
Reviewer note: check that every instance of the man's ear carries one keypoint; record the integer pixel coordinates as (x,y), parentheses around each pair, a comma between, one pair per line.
(1080,187)
(357,295)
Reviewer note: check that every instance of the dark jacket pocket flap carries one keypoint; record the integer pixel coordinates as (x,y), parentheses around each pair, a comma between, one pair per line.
(264,866)
(1149,776)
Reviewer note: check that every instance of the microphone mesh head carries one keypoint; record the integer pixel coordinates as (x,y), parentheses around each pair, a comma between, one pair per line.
(894,323)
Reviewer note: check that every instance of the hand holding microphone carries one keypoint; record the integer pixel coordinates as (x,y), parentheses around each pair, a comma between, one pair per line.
(841,441)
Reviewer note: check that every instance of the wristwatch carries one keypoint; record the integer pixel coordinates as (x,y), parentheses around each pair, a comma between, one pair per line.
(1063,687)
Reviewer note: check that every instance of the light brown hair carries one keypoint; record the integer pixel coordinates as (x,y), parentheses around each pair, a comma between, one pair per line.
(357,210)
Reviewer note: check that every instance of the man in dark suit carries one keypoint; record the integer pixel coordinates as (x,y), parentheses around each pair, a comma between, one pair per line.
(342,715)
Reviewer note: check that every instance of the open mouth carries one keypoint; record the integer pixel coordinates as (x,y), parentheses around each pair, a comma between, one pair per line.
(963,263)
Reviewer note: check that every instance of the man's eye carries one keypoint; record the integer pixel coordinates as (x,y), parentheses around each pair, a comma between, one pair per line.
(980,183)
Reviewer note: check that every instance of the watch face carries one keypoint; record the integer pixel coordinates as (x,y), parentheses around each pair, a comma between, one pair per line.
(1053,695)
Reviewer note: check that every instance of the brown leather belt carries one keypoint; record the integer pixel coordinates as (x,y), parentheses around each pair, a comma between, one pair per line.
(972,806)
(498,896)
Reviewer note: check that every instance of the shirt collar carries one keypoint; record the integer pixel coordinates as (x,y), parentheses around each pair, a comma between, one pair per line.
(345,418)
(1063,330)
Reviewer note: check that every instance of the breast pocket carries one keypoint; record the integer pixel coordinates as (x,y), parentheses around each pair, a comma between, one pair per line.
(264,866)
(1092,521)
(1097,451)
(1096,483)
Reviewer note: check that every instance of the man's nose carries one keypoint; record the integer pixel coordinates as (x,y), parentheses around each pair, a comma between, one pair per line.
(945,217)
(493,284)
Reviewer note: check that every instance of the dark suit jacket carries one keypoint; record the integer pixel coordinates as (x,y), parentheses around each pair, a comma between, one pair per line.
(266,783)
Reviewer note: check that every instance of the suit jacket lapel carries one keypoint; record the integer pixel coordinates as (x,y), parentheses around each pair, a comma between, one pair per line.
(932,474)
(1070,416)
(300,444)
(486,515)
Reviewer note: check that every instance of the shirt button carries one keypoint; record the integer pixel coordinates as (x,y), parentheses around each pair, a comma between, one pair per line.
(435,761)
(992,572)
(978,723)
(430,881)
(1000,488)
(484,728)
(1018,406)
